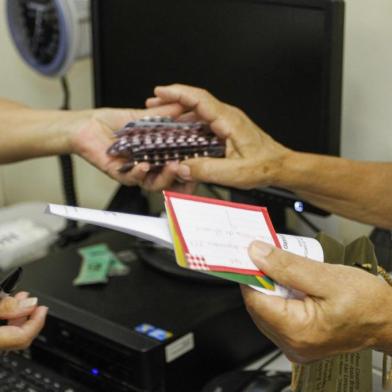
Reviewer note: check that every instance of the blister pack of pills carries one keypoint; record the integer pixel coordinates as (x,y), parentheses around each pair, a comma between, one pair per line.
(157,140)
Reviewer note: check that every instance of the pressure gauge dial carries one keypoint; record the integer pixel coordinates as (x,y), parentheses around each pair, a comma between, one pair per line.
(50,34)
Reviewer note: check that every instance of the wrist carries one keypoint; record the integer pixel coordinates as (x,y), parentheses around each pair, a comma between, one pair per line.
(76,122)
(304,172)
(52,131)
(284,169)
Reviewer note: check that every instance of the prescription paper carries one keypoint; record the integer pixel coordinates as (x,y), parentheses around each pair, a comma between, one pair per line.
(211,228)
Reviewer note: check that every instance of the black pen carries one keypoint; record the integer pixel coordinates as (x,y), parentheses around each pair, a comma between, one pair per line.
(9,283)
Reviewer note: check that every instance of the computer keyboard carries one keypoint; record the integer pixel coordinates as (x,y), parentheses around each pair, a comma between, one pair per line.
(18,373)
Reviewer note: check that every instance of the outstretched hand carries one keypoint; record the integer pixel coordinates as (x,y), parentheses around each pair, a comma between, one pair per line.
(252,156)
(92,138)
(345,309)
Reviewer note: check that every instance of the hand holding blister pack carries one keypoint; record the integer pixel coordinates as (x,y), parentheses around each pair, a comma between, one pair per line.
(158,140)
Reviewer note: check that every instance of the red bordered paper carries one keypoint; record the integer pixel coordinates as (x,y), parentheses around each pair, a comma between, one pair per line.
(200,261)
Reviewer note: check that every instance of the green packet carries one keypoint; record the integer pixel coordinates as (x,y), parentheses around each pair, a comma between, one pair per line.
(116,268)
(99,263)
(94,251)
(93,271)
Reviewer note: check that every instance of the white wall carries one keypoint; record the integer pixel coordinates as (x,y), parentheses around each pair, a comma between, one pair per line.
(39,179)
(367,95)
(367,112)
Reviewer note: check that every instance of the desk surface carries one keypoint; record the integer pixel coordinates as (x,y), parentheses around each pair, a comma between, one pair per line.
(145,295)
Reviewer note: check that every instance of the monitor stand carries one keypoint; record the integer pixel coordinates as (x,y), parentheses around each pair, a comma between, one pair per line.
(278,201)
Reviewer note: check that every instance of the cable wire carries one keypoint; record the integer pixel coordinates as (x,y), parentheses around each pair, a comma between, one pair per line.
(66,163)
(269,360)
(66,93)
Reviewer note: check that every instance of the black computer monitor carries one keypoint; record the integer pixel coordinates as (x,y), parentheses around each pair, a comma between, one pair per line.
(278,60)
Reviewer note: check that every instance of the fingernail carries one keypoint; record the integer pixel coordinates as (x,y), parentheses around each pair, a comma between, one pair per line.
(185,172)
(145,167)
(26,293)
(260,249)
(28,303)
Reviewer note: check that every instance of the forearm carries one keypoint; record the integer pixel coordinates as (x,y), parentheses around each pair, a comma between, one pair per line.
(353,189)
(28,133)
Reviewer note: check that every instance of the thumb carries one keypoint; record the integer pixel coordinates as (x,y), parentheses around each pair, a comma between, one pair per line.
(211,170)
(12,308)
(296,272)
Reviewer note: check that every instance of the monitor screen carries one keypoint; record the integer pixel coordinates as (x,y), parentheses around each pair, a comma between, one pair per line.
(278,60)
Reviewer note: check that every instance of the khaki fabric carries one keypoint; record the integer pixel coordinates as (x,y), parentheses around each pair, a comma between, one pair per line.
(347,372)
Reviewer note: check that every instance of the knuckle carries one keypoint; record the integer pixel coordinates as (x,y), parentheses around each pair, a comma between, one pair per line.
(203,92)
(205,95)
(7,305)
(284,266)
(238,116)
(237,111)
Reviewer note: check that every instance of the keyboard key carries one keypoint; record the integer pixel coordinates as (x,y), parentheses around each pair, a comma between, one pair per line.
(11,380)
(20,386)
(38,376)
(3,374)
(19,374)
